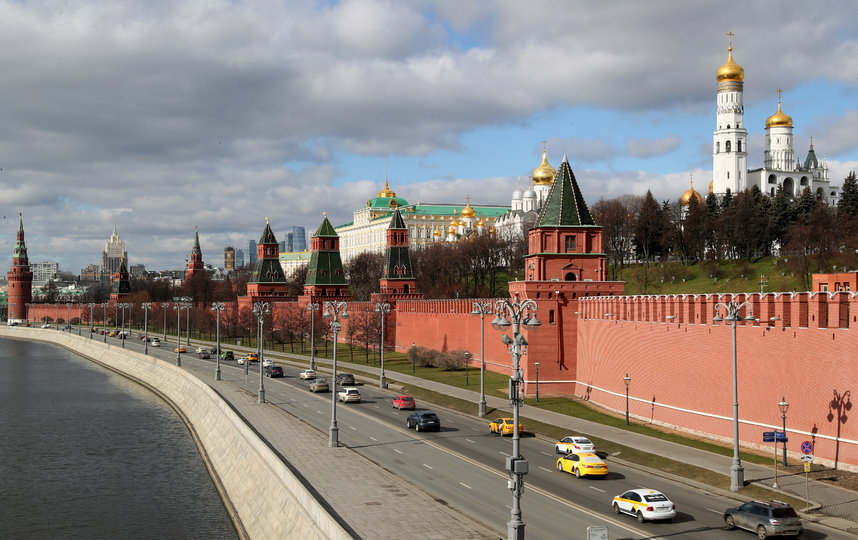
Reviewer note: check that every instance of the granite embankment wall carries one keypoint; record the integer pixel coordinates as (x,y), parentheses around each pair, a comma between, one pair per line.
(265,499)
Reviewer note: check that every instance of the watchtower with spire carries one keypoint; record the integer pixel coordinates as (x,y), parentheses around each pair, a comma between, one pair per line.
(195,266)
(397,278)
(121,283)
(325,277)
(20,279)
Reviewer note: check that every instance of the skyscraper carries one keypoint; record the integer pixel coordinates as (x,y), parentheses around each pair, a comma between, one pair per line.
(250,254)
(114,254)
(299,239)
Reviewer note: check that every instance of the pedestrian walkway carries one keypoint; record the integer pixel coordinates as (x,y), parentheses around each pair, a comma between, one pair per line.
(831,506)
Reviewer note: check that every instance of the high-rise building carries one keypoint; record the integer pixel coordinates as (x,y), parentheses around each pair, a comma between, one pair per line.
(298,239)
(250,254)
(114,254)
(44,272)
(229,259)
(288,241)
(240,259)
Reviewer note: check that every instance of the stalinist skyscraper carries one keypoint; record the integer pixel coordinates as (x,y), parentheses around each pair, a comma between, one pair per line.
(114,254)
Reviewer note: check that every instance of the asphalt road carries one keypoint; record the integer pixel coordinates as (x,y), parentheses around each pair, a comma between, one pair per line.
(463,465)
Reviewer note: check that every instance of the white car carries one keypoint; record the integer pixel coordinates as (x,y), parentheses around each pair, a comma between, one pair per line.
(307,374)
(156,342)
(46,325)
(574,444)
(201,350)
(241,360)
(266,362)
(348,395)
(644,504)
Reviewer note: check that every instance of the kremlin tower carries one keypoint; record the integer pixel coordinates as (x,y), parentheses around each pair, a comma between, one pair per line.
(397,278)
(20,279)
(325,277)
(195,265)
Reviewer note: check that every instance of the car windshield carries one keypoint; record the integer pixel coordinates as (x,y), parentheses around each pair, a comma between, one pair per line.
(655,497)
(784,513)
(581,440)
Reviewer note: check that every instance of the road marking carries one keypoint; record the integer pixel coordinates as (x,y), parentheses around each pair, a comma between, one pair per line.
(320,412)
(373,438)
(397,451)
(305,405)
(475,429)
(376,406)
(716,511)
(597,489)
(427,466)
(544,469)
(466,485)
(545,453)
(503,453)
(469,440)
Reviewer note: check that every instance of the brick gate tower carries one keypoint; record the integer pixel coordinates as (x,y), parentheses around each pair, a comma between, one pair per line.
(325,277)
(121,284)
(195,265)
(20,279)
(267,281)
(397,278)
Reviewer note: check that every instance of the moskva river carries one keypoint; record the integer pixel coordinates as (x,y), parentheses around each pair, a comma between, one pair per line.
(86,453)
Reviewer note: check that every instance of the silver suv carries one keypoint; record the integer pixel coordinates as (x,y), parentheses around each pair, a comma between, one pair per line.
(772,518)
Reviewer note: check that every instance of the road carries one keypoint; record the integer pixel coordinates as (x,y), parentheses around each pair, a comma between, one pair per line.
(463,465)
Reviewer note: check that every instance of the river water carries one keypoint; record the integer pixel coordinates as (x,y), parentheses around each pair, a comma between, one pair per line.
(86,453)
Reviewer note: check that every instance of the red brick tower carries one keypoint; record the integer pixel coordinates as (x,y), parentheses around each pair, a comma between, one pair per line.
(325,277)
(267,281)
(397,279)
(195,265)
(564,262)
(20,279)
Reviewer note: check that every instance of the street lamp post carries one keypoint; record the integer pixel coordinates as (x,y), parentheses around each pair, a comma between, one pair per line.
(737,472)
(519,312)
(482,309)
(68,316)
(217,307)
(104,320)
(260,309)
(382,308)
(122,335)
(165,305)
(628,381)
(467,361)
(188,324)
(91,322)
(333,311)
(146,306)
(312,307)
(413,357)
(536,365)
(57,320)
(179,306)
(783,406)
(77,305)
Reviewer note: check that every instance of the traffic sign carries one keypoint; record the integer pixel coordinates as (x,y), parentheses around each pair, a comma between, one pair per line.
(807,447)
(768,436)
(780,435)
(807,458)
(806,466)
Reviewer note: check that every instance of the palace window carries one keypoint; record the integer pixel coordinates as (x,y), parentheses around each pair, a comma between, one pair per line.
(738,146)
(727,146)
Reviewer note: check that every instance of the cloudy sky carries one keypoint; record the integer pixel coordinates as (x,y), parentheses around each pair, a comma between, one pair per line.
(159,116)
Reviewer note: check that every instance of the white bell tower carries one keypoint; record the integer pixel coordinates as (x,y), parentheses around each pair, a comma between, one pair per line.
(730,148)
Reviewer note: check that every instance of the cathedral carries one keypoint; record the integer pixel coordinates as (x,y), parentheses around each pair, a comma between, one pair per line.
(781,169)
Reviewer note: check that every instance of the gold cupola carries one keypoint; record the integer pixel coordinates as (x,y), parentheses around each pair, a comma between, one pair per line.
(731,71)
(437,232)
(467,211)
(544,174)
(711,187)
(686,198)
(779,118)
(386,192)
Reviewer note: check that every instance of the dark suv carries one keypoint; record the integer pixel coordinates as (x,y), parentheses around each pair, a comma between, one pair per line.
(772,518)
(345,379)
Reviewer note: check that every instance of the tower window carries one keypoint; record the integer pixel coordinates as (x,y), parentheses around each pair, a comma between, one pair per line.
(727,145)
(728,127)
(738,146)
(570,244)
(718,147)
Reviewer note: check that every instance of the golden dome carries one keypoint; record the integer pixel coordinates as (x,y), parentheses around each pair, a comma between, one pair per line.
(437,232)
(386,192)
(711,187)
(451,229)
(685,200)
(544,174)
(731,71)
(468,212)
(481,222)
(779,118)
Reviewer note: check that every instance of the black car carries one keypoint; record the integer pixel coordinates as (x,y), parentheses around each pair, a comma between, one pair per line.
(345,379)
(423,421)
(274,371)
(204,355)
(227,355)
(772,518)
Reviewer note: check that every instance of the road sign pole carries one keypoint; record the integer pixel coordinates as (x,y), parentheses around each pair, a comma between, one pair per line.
(775,446)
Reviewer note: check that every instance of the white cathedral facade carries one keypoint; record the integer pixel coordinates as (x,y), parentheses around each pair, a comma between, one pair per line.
(780,166)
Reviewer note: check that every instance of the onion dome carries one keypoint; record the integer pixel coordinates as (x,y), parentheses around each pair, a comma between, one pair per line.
(516,195)
(451,229)
(731,71)
(386,192)
(529,193)
(481,222)
(779,118)
(544,174)
(468,212)
(711,187)
(437,232)
(686,198)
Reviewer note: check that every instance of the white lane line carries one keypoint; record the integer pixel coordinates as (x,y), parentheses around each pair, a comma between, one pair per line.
(721,512)
(545,453)
(597,489)
(427,466)
(352,428)
(503,453)
(544,469)
(475,429)
(469,440)
(373,438)
(376,406)
(466,485)
(320,412)
(306,405)
(397,451)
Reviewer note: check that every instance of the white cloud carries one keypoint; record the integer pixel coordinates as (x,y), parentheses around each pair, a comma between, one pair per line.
(645,148)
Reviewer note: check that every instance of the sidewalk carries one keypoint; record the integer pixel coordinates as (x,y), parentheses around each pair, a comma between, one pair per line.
(833,506)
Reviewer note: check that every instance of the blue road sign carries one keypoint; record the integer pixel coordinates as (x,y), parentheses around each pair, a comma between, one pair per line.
(768,436)
(807,447)
(780,435)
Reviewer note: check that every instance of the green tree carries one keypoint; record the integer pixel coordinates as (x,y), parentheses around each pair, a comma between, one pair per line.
(781,216)
(847,205)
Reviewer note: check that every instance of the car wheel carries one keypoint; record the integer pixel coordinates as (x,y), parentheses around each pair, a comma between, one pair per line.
(761,532)
(640,517)
(730,522)
(557,449)
(559,467)
(417,426)
(407,424)
(616,508)
(577,472)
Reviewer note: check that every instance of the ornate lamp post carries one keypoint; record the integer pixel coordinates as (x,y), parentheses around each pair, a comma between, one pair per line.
(104,320)
(737,472)
(628,381)
(519,313)
(536,365)
(783,406)
(91,321)
(333,311)
(123,305)
(382,308)
(482,309)
(217,307)
(77,305)
(313,307)
(166,306)
(146,306)
(260,309)
(179,306)
(68,315)
(188,324)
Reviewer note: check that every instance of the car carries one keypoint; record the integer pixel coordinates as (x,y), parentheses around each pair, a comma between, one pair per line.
(319,385)
(227,355)
(241,360)
(307,374)
(582,464)
(273,371)
(204,355)
(267,362)
(180,349)
(213,350)
(201,350)
(46,325)
(574,443)
(644,504)
(404,402)
(253,357)
(504,426)
(156,342)
(423,421)
(772,518)
(345,379)
(349,394)
(112,334)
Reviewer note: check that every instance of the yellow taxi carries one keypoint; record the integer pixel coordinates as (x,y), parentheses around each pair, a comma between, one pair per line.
(253,357)
(180,349)
(582,464)
(504,426)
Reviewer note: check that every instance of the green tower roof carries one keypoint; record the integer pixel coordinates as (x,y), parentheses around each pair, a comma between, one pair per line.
(565,205)
(326,229)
